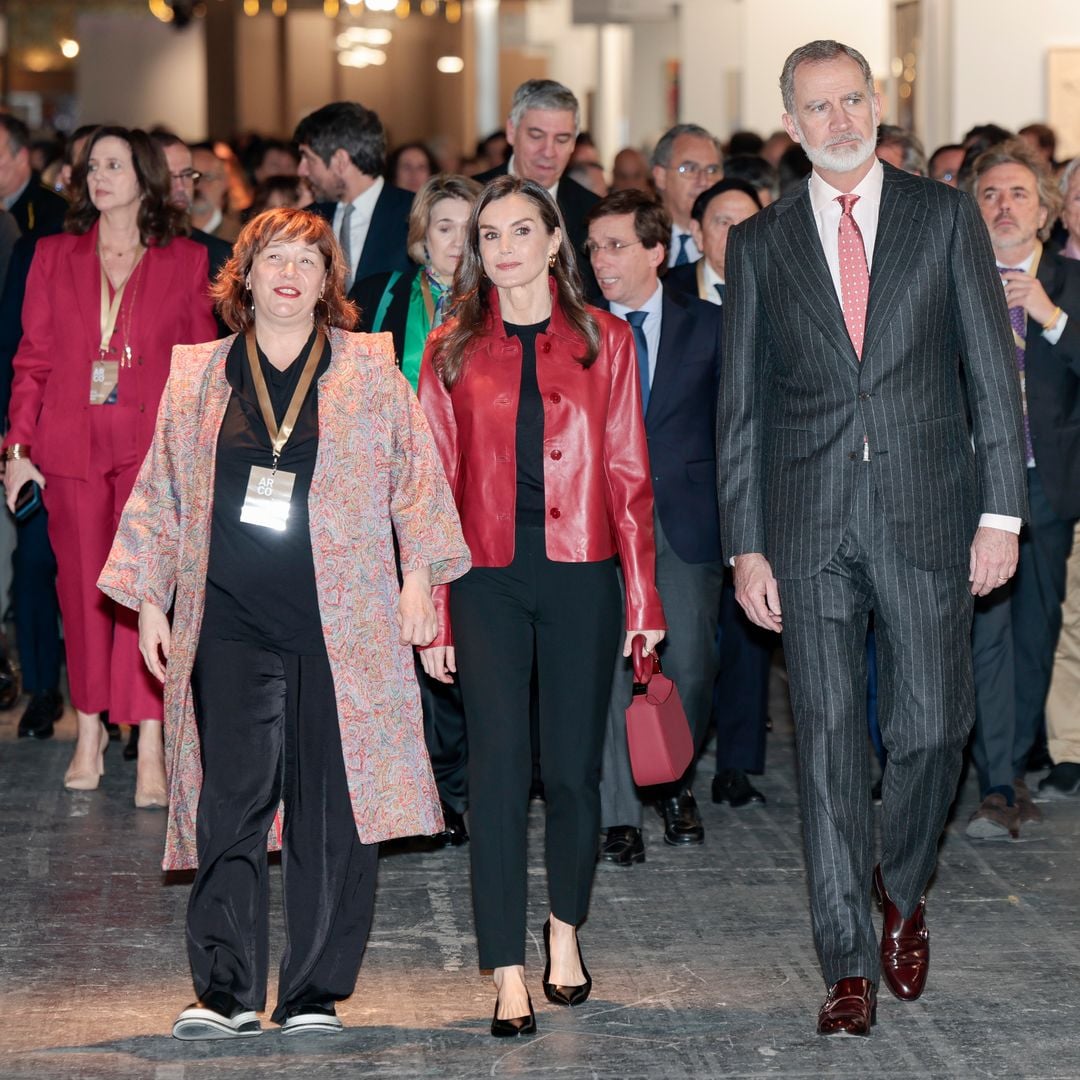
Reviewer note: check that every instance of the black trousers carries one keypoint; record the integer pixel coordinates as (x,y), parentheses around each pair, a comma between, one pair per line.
(444,734)
(37,610)
(268,729)
(569,614)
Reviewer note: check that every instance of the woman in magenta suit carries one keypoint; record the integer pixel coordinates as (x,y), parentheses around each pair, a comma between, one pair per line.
(105,303)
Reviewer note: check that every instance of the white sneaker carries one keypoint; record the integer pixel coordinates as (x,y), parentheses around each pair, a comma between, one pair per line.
(199,1022)
(312,1020)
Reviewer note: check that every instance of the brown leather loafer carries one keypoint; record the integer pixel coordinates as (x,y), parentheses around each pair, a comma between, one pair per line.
(850,1008)
(905,945)
(1030,814)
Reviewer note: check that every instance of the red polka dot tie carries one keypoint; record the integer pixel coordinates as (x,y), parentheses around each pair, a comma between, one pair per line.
(854,274)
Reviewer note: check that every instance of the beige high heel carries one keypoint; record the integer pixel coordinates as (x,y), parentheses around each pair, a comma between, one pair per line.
(89,779)
(151,793)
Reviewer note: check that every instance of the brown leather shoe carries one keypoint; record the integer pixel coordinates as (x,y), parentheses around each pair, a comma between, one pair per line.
(905,945)
(1030,814)
(995,819)
(850,1008)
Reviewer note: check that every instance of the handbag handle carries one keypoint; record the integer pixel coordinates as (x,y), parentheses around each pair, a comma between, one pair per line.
(643,669)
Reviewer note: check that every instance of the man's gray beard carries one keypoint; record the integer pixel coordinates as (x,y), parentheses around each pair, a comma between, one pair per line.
(841,159)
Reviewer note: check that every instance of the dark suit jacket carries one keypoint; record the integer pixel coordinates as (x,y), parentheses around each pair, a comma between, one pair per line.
(217,254)
(795,401)
(575,201)
(387,239)
(680,425)
(368,295)
(39,210)
(1052,380)
(684,279)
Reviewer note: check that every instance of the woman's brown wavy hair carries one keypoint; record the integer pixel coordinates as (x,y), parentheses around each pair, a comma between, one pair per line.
(290,225)
(159,221)
(470,302)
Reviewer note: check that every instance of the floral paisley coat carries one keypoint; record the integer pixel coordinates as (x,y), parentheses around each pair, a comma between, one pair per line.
(377,475)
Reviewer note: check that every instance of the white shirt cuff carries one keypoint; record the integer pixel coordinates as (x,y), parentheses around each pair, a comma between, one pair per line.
(1000,521)
(1053,335)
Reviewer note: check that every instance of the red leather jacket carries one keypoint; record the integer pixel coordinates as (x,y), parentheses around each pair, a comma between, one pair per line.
(597,487)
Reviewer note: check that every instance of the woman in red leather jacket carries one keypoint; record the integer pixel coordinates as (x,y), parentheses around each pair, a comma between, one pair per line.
(534,403)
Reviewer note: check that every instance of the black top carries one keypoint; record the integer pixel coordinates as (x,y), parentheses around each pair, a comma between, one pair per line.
(260,583)
(530,429)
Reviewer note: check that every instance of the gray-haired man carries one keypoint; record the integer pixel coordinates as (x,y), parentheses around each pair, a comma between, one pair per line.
(543,123)
(686,161)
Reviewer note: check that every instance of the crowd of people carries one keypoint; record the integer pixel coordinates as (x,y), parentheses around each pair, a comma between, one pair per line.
(352,477)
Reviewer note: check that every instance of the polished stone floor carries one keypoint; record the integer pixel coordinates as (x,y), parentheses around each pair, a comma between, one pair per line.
(702,958)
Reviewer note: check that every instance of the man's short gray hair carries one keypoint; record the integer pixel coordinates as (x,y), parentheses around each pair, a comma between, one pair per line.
(912,154)
(818,52)
(661,154)
(1067,174)
(544,94)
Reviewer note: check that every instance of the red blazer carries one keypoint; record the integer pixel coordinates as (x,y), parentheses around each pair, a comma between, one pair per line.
(597,487)
(50,409)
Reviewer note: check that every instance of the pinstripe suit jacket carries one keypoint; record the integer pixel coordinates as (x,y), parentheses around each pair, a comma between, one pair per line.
(795,401)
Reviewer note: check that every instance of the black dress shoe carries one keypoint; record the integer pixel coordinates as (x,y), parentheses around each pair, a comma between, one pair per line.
(622,846)
(454,833)
(518,1025)
(42,712)
(733,787)
(682,821)
(564,995)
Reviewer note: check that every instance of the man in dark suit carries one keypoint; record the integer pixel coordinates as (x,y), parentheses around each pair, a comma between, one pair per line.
(741,694)
(542,128)
(35,208)
(1016,626)
(685,161)
(37,212)
(677,340)
(851,481)
(343,156)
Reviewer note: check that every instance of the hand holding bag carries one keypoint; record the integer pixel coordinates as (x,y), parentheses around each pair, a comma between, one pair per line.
(657,732)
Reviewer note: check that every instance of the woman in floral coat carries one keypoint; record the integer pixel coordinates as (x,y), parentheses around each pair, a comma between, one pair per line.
(286,460)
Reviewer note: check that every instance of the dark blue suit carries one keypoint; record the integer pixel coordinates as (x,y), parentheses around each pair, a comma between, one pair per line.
(741,696)
(680,424)
(386,245)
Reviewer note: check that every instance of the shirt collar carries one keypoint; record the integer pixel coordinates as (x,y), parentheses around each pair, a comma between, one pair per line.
(651,306)
(1024,264)
(553,191)
(711,276)
(823,195)
(364,203)
(15,196)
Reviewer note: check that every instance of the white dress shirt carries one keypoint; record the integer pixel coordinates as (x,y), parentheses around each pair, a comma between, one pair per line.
(363,211)
(653,308)
(693,253)
(711,279)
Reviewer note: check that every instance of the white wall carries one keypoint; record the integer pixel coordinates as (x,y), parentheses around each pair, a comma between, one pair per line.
(138,72)
(773,28)
(710,43)
(652,45)
(1000,58)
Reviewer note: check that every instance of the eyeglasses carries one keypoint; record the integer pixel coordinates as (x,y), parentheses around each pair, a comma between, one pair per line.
(692,168)
(189,176)
(612,247)
(946,176)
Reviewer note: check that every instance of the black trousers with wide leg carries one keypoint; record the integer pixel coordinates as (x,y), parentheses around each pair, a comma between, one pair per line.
(269,733)
(569,615)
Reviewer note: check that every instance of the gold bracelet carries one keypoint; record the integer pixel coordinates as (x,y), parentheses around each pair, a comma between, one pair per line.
(1052,321)
(16,451)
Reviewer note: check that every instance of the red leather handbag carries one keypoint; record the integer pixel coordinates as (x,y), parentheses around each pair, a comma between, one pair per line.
(657,731)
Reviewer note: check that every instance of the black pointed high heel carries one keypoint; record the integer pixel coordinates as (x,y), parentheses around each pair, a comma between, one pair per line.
(518,1025)
(564,995)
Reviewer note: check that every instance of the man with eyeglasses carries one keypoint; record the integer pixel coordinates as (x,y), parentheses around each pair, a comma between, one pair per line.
(686,161)
(677,345)
(945,163)
(183,178)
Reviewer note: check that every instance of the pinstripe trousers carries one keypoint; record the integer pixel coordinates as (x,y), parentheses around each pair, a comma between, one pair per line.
(926,709)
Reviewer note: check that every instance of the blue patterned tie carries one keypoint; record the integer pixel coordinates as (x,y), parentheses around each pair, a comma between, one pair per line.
(682,258)
(636,319)
(1018,319)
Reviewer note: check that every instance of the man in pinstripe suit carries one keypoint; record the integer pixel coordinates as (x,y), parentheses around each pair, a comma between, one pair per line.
(851,481)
